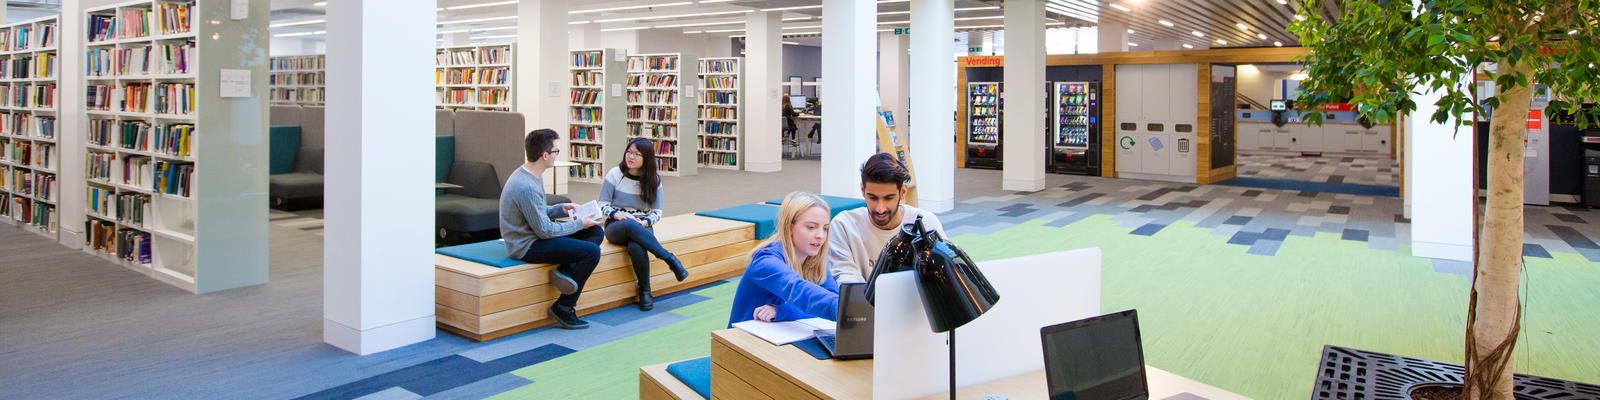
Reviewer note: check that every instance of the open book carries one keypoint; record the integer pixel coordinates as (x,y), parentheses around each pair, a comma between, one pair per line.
(786,332)
(588,212)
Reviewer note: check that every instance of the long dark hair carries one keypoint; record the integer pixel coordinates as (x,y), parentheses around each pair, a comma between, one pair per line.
(648,179)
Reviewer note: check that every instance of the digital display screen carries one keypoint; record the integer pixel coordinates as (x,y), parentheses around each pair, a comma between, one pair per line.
(1279,105)
(1096,358)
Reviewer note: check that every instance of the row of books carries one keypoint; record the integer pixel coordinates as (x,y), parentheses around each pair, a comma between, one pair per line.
(40,216)
(472,76)
(19,181)
(653,131)
(131,208)
(586,152)
(588,59)
(167,59)
(133,246)
(652,80)
(721,82)
(583,97)
(137,172)
(662,114)
(174,178)
(653,63)
(296,78)
(175,98)
(586,171)
(586,133)
(100,235)
(718,143)
(587,78)
(174,18)
(98,166)
(99,200)
(667,164)
(34,95)
(32,155)
(665,148)
(296,62)
(297,95)
(100,131)
(174,139)
(21,124)
(39,185)
(719,98)
(494,96)
(586,115)
(725,159)
(28,67)
(21,37)
(719,113)
(655,97)
(719,66)
(467,56)
(719,128)
(132,97)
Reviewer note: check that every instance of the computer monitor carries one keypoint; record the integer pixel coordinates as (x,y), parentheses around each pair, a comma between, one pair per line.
(1279,105)
(798,101)
(1095,358)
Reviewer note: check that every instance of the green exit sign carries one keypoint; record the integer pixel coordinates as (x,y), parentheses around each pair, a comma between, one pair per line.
(902,31)
(978,49)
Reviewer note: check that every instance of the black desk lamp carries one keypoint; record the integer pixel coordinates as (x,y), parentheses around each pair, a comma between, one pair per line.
(954,292)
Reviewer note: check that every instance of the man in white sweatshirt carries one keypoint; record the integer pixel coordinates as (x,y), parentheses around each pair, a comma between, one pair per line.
(857,236)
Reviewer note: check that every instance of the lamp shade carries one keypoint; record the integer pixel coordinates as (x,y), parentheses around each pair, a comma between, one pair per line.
(954,292)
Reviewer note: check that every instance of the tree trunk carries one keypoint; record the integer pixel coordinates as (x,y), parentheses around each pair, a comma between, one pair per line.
(1494,313)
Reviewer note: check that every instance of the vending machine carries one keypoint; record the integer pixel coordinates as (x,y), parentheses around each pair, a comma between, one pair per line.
(983,124)
(1074,129)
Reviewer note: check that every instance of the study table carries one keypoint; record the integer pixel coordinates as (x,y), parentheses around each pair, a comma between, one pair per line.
(744,366)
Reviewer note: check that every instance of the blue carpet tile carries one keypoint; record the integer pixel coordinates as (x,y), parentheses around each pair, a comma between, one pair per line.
(441,374)
(1315,187)
(1534,250)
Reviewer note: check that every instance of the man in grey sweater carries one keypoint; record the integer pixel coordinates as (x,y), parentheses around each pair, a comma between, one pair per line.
(532,235)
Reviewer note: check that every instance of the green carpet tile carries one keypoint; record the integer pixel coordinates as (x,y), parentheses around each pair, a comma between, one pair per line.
(1246,323)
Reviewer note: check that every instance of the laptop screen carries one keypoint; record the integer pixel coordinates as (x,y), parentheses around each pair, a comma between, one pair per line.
(1095,358)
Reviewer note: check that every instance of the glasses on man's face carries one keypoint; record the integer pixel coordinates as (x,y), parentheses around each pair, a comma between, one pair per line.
(553,152)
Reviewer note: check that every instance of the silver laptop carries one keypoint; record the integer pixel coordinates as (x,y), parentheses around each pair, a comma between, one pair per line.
(854,337)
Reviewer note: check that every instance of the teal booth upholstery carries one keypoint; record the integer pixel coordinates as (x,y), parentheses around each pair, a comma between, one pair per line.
(282,144)
(295,157)
(764,216)
(492,253)
(836,204)
(696,374)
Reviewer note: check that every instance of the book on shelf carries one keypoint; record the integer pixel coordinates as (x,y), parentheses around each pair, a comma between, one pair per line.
(173,178)
(134,246)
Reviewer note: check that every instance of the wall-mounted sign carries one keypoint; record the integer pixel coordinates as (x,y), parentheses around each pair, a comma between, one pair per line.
(902,31)
(986,61)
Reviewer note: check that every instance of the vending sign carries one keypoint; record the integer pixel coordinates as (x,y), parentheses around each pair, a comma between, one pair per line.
(986,61)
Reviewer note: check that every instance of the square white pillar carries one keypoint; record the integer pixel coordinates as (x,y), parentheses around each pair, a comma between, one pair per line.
(763,122)
(69,71)
(1439,162)
(893,69)
(1112,36)
(543,78)
(584,36)
(933,96)
(377,278)
(1023,128)
(457,39)
(849,103)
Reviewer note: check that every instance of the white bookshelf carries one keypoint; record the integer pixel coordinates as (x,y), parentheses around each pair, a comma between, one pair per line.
(720,130)
(658,96)
(152,91)
(595,109)
(30,155)
(297,80)
(476,77)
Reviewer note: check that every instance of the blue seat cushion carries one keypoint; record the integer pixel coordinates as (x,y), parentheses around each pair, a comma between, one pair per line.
(491,253)
(696,374)
(764,216)
(836,205)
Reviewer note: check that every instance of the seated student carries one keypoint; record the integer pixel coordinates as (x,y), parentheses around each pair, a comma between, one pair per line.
(786,279)
(532,236)
(630,198)
(859,235)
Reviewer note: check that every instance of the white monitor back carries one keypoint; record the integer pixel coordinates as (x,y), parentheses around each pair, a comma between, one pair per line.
(911,361)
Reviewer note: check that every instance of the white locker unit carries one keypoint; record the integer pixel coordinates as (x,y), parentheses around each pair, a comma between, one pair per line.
(1156,121)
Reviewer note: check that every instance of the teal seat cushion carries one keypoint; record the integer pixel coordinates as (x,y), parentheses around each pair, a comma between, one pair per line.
(491,253)
(764,216)
(282,143)
(444,155)
(836,205)
(696,374)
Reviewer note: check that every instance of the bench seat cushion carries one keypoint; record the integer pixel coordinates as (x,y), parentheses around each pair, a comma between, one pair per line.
(764,216)
(836,204)
(466,214)
(696,374)
(295,185)
(492,253)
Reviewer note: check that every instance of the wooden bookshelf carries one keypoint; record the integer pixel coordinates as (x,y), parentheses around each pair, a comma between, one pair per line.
(476,77)
(30,156)
(720,130)
(596,108)
(158,199)
(297,80)
(656,99)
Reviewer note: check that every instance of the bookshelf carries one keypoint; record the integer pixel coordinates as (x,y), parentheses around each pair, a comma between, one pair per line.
(29,153)
(592,114)
(476,77)
(297,80)
(654,103)
(721,111)
(159,199)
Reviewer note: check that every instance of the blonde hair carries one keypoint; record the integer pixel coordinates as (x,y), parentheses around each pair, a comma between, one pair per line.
(796,203)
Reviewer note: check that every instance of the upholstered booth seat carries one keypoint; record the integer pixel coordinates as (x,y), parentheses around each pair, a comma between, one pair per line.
(301,188)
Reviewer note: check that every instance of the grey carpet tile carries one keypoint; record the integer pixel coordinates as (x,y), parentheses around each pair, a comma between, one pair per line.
(1366,171)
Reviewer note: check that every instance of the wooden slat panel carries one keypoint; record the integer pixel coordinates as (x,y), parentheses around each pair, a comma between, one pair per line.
(669,230)
(727,386)
(1202,160)
(656,383)
(682,247)
(754,373)
(1108,118)
(524,296)
(597,296)
(456,281)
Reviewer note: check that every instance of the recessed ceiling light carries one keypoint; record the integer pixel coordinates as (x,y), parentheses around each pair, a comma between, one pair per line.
(631,28)
(654,17)
(793,43)
(497,37)
(451,31)
(297,23)
(978,8)
(1130,31)
(1121,7)
(491,4)
(320,4)
(1279,44)
(300,34)
(978,18)
(1197,33)
(1133,44)
(1263,36)
(465,21)
(577,22)
(1165,22)
(1284,2)
(792,8)
(1220,41)
(698,24)
(803,27)
(680,3)
(723,30)
(796,19)
(1187,46)
(714,1)
(894,13)
(1242,26)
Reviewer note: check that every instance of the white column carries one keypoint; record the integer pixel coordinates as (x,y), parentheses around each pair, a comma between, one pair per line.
(1441,178)
(377,282)
(893,63)
(542,75)
(849,133)
(584,36)
(933,96)
(1170,43)
(457,39)
(1024,144)
(763,121)
(1112,36)
(69,92)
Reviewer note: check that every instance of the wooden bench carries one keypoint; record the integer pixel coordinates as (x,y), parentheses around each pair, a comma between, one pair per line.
(482,302)
(656,384)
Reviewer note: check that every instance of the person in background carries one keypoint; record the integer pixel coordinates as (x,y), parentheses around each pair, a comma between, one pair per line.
(786,279)
(859,235)
(791,128)
(527,225)
(630,197)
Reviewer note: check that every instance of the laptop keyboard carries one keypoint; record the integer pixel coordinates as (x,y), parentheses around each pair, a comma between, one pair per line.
(827,342)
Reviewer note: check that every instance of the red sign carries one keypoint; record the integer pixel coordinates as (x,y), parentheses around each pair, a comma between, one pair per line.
(1535,120)
(986,61)
(1338,107)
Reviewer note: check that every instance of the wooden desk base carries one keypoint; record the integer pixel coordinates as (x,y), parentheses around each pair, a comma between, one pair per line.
(746,367)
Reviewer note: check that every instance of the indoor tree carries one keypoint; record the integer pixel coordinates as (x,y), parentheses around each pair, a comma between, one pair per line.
(1377,54)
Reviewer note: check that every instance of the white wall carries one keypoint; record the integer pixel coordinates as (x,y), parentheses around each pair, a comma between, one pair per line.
(1439,162)
(294,46)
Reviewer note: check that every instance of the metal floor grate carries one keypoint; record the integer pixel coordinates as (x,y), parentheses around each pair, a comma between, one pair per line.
(1351,374)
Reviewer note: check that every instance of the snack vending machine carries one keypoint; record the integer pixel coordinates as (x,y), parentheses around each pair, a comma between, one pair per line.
(1074,135)
(983,124)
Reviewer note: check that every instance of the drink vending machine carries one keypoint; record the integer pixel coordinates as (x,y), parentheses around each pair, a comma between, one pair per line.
(983,124)
(1074,128)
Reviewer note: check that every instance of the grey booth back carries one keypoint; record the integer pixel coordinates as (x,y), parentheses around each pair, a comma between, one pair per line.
(311,127)
(493,137)
(444,122)
(285,116)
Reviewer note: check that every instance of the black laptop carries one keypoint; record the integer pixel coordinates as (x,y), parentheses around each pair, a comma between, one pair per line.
(1096,358)
(854,336)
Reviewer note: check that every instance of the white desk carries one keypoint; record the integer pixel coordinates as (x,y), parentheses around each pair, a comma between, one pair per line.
(1162,385)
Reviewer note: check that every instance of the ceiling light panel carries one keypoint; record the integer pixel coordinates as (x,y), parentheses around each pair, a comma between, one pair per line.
(489,4)
(679,3)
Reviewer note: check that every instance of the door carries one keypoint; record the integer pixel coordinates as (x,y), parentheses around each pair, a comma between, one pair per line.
(1352,141)
(1282,139)
(1372,142)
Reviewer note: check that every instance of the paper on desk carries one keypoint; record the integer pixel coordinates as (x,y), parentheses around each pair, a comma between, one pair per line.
(782,333)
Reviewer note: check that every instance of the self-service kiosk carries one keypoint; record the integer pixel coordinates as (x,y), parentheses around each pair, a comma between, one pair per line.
(1280,112)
